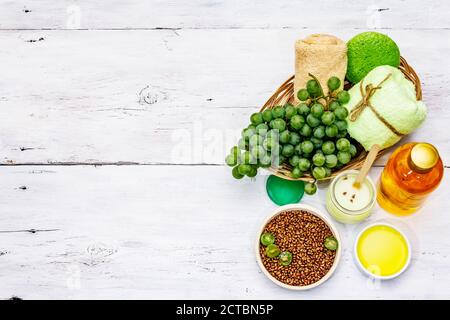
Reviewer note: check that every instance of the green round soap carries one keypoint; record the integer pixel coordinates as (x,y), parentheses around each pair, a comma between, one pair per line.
(282,191)
(368,50)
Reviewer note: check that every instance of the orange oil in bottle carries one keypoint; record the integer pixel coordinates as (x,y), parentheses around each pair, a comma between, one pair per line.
(413,171)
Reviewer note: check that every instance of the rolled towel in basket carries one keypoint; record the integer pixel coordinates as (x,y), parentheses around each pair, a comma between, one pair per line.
(383,108)
(322,55)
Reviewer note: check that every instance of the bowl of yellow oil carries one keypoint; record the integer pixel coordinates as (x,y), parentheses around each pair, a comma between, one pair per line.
(382,251)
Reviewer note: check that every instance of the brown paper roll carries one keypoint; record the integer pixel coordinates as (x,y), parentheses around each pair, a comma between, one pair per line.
(323,56)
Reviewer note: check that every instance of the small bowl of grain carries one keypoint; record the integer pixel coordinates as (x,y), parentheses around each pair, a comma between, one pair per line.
(298,247)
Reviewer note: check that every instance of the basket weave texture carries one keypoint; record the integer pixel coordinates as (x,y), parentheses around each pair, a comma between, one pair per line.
(285,94)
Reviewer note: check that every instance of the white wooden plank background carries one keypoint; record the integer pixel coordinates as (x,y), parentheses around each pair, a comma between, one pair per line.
(120,84)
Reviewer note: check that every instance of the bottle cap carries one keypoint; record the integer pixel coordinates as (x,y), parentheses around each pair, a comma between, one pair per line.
(424,156)
(282,191)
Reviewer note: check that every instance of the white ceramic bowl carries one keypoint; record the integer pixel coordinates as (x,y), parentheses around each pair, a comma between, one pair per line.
(364,270)
(315,212)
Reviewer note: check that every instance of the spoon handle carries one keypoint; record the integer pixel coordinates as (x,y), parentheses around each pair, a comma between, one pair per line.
(367,165)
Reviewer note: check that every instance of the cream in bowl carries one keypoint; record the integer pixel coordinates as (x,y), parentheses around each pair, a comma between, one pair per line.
(298,247)
(347,203)
(382,251)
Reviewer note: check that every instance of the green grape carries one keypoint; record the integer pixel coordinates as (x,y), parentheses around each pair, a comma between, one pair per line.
(258,151)
(319,132)
(285,136)
(318,159)
(341,125)
(316,142)
(290,111)
(304,164)
(294,139)
(256,140)
(244,169)
(343,144)
(278,112)
(294,160)
(310,188)
(231,160)
(298,149)
(256,118)
(302,95)
(272,251)
(353,150)
(312,121)
(267,239)
(331,243)
(287,150)
(341,134)
(328,147)
(267,115)
(333,105)
(331,131)
(279,124)
(344,157)
(343,97)
(296,173)
(303,109)
(307,146)
(331,161)
(265,161)
(262,129)
(297,121)
(253,172)
(269,142)
(247,133)
(333,83)
(317,109)
(285,258)
(247,158)
(327,118)
(341,113)
(313,88)
(235,151)
(306,130)
(236,174)
(242,144)
(319,173)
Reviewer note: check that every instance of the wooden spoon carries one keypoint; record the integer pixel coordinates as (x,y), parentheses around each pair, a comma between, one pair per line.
(367,165)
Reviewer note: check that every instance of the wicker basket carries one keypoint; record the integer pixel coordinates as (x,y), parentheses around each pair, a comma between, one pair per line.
(285,94)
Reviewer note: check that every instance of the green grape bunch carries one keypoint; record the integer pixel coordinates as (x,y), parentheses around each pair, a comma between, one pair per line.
(311,138)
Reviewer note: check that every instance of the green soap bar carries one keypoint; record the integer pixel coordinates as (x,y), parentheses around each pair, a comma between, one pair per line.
(282,191)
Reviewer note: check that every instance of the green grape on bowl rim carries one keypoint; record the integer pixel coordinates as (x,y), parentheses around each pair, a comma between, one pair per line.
(331,243)
(272,251)
(285,258)
(267,238)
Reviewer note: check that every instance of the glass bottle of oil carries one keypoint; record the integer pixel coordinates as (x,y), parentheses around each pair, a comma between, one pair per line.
(413,171)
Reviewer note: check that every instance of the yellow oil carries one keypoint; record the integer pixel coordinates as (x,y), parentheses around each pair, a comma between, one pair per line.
(382,250)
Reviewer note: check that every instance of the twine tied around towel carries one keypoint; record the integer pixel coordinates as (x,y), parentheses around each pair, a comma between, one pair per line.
(366,95)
